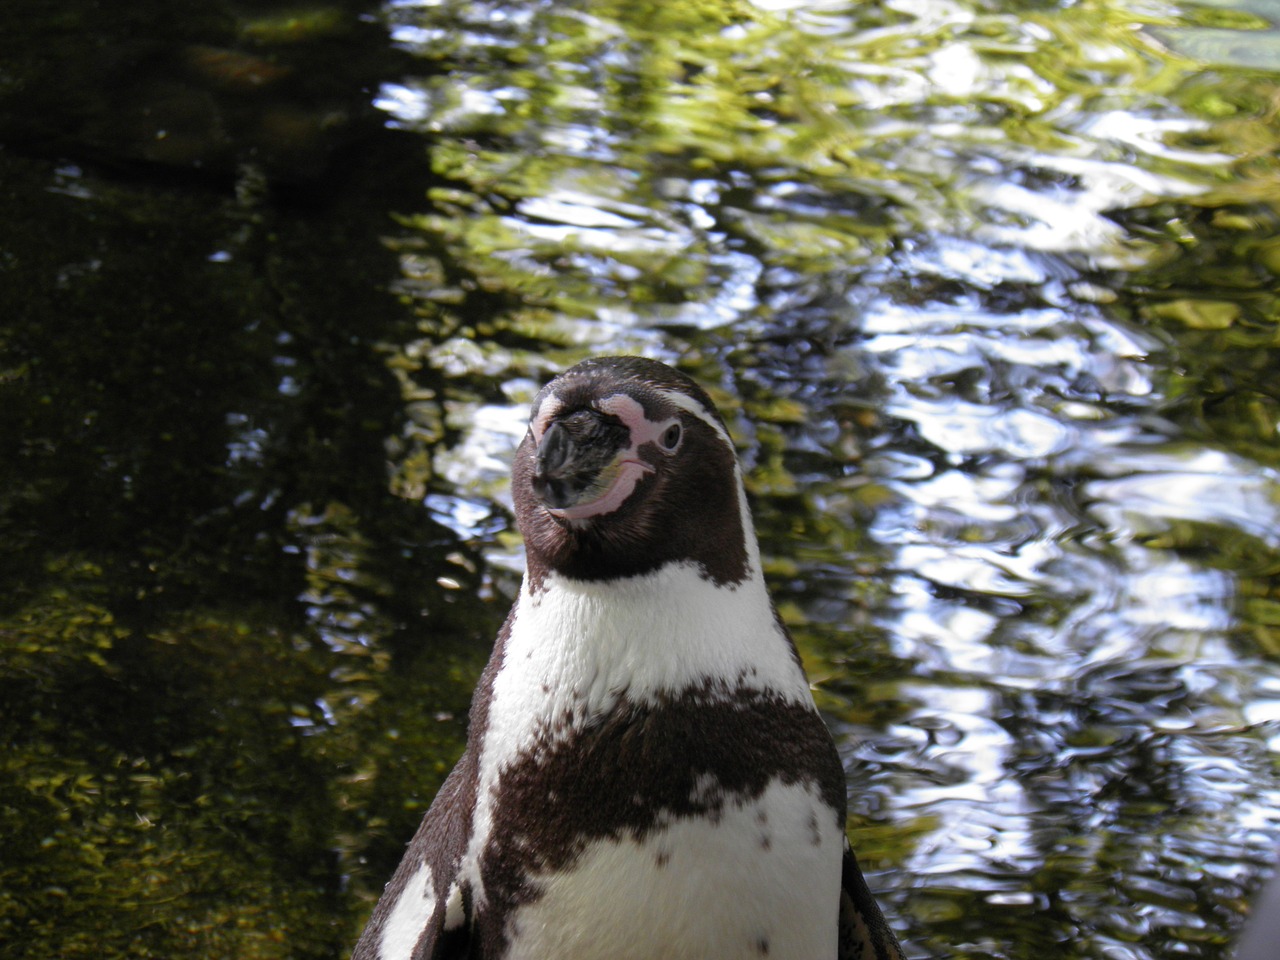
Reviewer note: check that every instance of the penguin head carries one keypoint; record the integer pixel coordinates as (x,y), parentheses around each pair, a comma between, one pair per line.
(626,467)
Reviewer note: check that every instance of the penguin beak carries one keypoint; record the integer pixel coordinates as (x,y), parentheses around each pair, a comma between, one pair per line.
(564,468)
(584,465)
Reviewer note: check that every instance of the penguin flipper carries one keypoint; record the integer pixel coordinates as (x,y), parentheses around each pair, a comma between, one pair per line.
(425,911)
(864,934)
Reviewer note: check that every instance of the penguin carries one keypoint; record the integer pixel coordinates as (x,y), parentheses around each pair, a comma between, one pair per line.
(646,775)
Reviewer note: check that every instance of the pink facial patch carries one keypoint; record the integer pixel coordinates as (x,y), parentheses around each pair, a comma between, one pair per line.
(628,468)
(643,430)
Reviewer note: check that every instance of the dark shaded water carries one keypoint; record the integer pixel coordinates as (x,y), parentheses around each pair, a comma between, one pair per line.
(987,291)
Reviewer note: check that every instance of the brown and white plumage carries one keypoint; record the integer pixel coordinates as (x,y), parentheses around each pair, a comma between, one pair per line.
(646,776)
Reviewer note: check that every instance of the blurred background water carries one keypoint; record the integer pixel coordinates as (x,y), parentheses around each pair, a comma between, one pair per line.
(987,292)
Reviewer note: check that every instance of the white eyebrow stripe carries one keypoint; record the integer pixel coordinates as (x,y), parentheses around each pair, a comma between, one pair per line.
(550,406)
(690,405)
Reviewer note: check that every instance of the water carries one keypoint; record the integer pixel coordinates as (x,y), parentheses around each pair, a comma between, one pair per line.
(987,294)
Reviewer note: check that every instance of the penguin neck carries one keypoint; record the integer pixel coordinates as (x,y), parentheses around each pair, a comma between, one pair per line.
(586,644)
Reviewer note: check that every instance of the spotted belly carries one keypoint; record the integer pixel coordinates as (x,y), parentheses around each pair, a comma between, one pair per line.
(760,878)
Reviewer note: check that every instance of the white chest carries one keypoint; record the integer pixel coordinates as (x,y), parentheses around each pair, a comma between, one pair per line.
(693,887)
(575,647)
(762,880)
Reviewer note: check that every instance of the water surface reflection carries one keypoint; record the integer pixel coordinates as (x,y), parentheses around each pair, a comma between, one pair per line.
(988,293)
(1017,569)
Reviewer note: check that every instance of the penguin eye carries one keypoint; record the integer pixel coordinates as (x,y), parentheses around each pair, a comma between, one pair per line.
(670,438)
